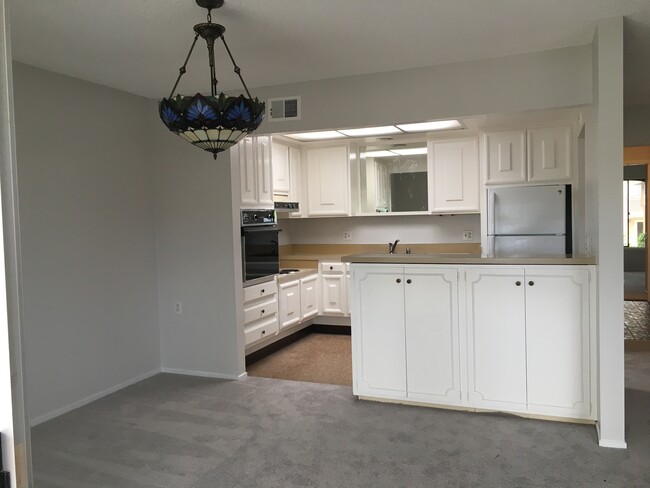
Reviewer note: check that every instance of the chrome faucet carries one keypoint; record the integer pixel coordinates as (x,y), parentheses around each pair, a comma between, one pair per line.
(392,247)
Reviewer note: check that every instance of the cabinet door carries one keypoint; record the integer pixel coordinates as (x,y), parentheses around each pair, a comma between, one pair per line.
(557,332)
(264,172)
(379,352)
(333,294)
(328,181)
(281,170)
(309,297)
(289,297)
(432,347)
(455,175)
(295,177)
(506,156)
(496,334)
(248,172)
(549,154)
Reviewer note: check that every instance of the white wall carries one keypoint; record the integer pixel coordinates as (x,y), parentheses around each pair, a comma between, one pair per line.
(412,229)
(196,257)
(548,79)
(86,197)
(637,125)
(607,137)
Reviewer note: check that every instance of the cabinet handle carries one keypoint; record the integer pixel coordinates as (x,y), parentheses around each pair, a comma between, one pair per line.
(408,281)
(518,283)
(531,283)
(398,280)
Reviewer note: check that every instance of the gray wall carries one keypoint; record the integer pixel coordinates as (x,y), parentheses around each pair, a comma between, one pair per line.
(198,261)
(637,125)
(86,212)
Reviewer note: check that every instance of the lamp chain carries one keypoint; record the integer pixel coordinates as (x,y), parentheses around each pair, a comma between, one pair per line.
(182,70)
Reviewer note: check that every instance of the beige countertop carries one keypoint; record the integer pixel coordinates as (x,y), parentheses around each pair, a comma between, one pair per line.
(448,258)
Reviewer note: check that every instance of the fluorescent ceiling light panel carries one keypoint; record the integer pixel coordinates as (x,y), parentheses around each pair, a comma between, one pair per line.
(431,126)
(316,136)
(410,151)
(381,154)
(371,131)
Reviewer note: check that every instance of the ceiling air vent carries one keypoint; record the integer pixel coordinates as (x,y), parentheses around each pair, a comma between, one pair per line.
(284,108)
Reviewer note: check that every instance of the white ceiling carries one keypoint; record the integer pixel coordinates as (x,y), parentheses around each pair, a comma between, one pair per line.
(138,45)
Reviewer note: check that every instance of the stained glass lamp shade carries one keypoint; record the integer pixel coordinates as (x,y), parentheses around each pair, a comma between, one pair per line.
(211,122)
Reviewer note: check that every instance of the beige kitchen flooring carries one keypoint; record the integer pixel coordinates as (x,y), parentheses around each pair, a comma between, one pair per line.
(637,321)
(316,358)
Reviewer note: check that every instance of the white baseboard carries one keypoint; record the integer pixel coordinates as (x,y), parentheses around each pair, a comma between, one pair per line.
(204,374)
(95,396)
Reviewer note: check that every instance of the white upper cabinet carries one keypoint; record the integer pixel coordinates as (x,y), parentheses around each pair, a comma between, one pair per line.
(529,156)
(328,181)
(506,156)
(455,175)
(281,172)
(254,157)
(549,154)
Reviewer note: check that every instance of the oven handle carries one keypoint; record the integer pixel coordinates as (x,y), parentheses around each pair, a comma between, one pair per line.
(250,230)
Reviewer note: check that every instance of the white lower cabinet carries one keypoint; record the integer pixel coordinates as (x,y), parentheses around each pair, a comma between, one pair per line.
(309,297)
(260,312)
(334,289)
(289,304)
(518,338)
(410,348)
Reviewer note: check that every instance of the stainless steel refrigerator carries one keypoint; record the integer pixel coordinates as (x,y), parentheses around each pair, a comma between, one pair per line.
(529,220)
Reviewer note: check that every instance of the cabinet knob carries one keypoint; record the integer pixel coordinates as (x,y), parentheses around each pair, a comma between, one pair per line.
(262,312)
(331,267)
(531,283)
(262,291)
(263,332)
(408,281)
(398,280)
(518,283)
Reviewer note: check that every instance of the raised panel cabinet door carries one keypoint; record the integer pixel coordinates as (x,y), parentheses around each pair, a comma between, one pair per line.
(496,335)
(378,333)
(289,298)
(506,156)
(281,170)
(264,171)
(455,175)
(295,186)
(432,347)
(333,288)
(557,333)
(248,171)
(309,297)
(328,181)
(549,154)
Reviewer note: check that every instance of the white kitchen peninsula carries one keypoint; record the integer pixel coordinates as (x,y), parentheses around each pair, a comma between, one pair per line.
(476,333)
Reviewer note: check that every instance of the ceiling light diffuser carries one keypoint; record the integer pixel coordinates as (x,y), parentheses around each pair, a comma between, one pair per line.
(316,136)
(211,122)
(380,154)
(410,151)
(371,131)
(431,126)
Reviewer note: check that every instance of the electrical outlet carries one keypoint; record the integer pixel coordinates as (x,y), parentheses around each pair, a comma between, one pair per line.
(467,235)
(347,236)
(178,308)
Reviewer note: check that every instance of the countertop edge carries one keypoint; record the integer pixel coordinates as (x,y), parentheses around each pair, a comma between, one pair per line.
(469,259)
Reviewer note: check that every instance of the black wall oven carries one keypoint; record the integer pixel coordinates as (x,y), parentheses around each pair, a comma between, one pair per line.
(259,245)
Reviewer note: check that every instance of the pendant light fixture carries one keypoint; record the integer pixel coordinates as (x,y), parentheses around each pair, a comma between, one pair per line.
(211,122)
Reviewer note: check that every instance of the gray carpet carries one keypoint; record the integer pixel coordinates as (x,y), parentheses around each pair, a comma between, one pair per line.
(175,431)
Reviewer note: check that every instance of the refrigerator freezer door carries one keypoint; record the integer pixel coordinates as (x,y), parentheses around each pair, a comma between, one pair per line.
(527,245)
(527,210)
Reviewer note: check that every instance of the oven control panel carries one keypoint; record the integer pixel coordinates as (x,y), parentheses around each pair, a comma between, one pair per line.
(257,217)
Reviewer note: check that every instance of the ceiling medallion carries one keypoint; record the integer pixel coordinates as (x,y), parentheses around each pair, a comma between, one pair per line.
(211,122)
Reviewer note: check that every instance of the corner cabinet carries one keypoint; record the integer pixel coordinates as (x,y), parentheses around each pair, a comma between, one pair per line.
(328,179)
(254,156)
(516,338)
(454,176)
(405,333)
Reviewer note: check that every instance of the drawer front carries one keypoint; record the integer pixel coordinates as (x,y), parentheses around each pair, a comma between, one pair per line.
(260,311)
(330,268)
(261,331)
(261,290)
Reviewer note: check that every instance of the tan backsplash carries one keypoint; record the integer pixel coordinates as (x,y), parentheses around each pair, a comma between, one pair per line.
(304,256)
